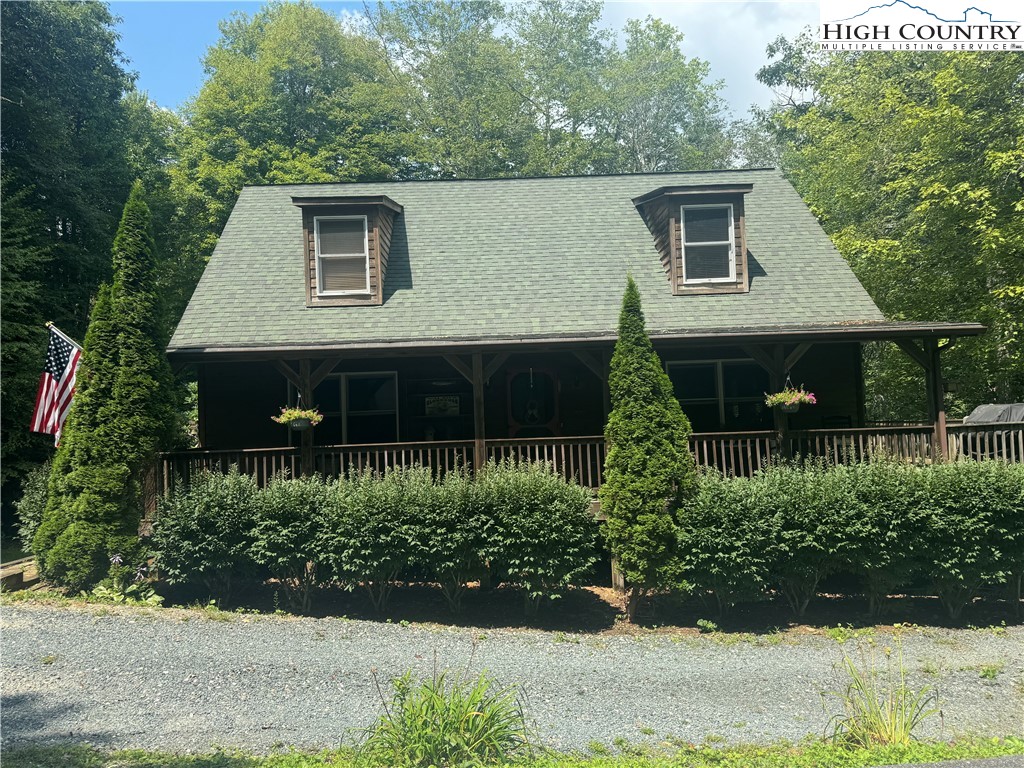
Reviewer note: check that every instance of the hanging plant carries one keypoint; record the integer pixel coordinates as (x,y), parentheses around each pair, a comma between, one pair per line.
(790,399)
(299,418)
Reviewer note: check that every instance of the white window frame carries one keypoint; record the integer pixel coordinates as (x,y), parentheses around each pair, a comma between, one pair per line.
(366,254)
(731,243)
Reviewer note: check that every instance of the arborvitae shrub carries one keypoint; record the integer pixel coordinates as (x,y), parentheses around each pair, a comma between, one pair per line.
(649,470)
(291,526)
(544,535)
(122,413)
(204,533)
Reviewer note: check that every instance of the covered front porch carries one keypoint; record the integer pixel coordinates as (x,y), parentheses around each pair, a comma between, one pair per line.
(548,400)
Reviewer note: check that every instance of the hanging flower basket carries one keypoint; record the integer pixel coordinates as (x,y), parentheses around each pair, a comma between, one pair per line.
(299,418)
(790,399)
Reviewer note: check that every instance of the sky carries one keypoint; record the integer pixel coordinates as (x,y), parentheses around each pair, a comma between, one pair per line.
(165,41)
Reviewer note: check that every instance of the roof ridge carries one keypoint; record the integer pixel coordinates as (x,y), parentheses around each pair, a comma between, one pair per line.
(515,178)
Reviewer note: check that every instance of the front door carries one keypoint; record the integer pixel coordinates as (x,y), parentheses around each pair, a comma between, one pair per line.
(532,403)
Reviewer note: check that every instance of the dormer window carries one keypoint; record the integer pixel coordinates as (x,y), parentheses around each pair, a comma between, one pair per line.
(346,241)
(342,255)
(708,244)
(700,233)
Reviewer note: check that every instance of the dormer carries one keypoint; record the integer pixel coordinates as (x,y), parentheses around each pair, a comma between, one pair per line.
(699,232)
(345,248)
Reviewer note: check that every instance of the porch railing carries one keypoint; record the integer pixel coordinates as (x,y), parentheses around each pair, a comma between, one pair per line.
(734,453)
(262,463)
(579,458)
(1004,442)
(583,458)
(442,456)
(844,446)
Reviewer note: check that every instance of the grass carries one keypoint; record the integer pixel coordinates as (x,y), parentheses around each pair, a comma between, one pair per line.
(811,754)
(990,671)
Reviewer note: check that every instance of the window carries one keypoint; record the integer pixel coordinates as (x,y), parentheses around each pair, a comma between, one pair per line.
(369,407)
(342,255)
(709,244)
(722,394)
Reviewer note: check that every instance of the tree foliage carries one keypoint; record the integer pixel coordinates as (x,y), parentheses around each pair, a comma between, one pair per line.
(75,135)
(649,470)
(121,415)
(915,165)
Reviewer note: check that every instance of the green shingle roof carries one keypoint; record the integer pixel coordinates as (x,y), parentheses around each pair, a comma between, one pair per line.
(516,258)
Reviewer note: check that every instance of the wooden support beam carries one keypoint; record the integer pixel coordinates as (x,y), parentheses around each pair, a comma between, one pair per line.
(936,398)
(455,362)
(760,356)
(595,366)
(917,354)
(794,357)
(306,458)
(289,373)
(323,371)
(477,377)
(495,363)
(606,392)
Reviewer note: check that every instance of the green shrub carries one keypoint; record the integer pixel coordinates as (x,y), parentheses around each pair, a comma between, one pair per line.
(727,547)
(884,525)
(649,470)
(453,528)
(973,514)
(1009,522)
(544,535)
(32,504)
(807,505)
(372,530)
(204,532)
(291,522)
(448,721)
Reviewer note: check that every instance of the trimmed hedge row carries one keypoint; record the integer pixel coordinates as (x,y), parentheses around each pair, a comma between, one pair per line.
(521,522)
(957,526)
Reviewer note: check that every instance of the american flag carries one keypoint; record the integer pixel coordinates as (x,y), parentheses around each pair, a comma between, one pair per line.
(56,385)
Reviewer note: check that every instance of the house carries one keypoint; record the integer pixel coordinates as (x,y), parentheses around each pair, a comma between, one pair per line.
(447,321)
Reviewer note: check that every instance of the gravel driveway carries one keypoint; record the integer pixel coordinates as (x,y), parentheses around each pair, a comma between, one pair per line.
(178,680)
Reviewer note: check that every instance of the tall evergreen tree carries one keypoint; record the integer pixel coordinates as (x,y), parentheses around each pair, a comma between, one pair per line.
(649,471)
(122,414)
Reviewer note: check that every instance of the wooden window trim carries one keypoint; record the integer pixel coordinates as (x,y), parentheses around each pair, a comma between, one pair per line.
(731,242)
(320,292)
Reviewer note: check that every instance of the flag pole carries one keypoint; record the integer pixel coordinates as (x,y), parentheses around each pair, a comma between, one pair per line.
(63,335)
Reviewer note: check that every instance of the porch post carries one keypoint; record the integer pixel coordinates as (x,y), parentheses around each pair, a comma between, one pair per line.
(936,398)
(307,464)
(479,449)
(777,376)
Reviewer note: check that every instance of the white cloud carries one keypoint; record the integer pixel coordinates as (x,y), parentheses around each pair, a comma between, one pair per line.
(730,36)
